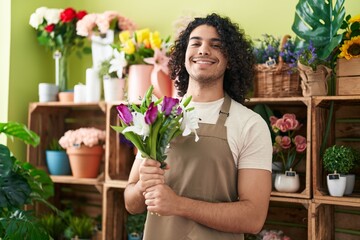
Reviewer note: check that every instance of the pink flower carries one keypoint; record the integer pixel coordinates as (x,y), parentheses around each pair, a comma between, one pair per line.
(286,142)
(103,20)
(300,143)
(287,122)
(85,26)
(82,136)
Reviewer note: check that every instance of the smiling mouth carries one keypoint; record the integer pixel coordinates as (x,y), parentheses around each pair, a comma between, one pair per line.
(203,61)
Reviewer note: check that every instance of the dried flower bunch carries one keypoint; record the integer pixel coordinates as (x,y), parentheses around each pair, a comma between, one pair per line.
(100,23)
(83,136)
(287,145)
(350,45)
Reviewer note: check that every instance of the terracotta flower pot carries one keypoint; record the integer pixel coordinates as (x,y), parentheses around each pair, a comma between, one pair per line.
(139,81)
(85,161)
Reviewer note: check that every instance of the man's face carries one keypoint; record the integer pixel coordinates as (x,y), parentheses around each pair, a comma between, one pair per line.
(204,59)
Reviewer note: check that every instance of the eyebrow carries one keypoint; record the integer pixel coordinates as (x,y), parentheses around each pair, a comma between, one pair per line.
(211,39)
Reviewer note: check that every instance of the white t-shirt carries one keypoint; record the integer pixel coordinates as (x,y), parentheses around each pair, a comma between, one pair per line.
(248,134)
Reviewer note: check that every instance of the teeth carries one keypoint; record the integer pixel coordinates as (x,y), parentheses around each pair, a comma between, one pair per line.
(203,62)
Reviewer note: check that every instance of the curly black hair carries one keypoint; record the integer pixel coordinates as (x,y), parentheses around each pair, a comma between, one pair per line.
(236,48)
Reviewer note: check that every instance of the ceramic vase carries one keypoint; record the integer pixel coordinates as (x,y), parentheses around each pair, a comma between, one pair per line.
(287,184)
(336,186)
(113,89)
(85,161)
(101,49)
(139,81)
(162,84)
(350,183)
(57,162)
(48,92)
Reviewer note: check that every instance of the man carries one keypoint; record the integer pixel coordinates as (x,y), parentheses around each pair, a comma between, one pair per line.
(218,187)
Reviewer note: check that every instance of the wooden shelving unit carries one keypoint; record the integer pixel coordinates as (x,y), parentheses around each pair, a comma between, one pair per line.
(310,213)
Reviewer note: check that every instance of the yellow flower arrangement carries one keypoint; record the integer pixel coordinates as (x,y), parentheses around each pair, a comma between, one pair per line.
(350,47)
(141,44)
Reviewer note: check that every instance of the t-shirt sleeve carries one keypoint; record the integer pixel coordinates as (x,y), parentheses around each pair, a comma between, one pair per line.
(256,151)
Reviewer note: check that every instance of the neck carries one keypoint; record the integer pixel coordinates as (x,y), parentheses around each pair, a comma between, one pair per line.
(208,93)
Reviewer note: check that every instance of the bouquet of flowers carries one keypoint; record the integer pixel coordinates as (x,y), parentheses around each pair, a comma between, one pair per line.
(56,28)
(143,44)
(153,124)
(287,145)
(350,47)
(83,136)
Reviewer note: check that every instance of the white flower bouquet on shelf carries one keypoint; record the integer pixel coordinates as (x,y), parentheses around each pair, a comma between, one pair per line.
(152,125)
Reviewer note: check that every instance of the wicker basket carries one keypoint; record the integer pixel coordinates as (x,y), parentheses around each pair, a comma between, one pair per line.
(278,80)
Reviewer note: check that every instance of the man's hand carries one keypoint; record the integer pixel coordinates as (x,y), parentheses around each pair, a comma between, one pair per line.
(161,199)
(150,174)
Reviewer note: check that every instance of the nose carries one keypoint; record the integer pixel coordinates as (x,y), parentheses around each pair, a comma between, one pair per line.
(204,50)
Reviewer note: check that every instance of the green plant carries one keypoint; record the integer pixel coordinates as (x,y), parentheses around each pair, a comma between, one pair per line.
(319,21)
(80,227)
(350,45)
(339,159)
(54,145)
(54,225)
(20,184)
(135,223)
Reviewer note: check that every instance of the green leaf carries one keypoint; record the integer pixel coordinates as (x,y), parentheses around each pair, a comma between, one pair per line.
(319,21)
(18,130)
(6,163)
(15,189)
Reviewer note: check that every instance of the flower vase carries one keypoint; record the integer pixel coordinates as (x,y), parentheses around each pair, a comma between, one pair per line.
(113,89)
(162,84)
(314,83)
(61,69)
(85,161)
(101,49)
(139,81)
(288,182)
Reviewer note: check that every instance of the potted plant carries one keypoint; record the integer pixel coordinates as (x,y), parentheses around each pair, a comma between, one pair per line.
(338,161)
(135,226)
(21,184)
(319,22)
(56,159)
(289,149)
(314,72)
(54,225)
(85,149)
(80,228)
(111,72)
(138,46)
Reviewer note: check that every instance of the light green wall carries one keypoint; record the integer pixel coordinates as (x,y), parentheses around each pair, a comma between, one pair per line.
(4,61)
(30,64)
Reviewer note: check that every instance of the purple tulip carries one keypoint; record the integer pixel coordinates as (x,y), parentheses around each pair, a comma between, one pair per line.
(124,114)
(168,105)
(151,114)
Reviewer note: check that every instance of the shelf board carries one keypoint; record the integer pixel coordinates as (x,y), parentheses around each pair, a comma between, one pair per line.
(116,184)
(73,180)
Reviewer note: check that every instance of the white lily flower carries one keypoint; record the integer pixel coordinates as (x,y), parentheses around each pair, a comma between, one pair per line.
(118,63)
(190,123)
(139,127)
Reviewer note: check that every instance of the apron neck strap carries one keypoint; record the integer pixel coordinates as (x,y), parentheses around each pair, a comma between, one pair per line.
(224,111)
